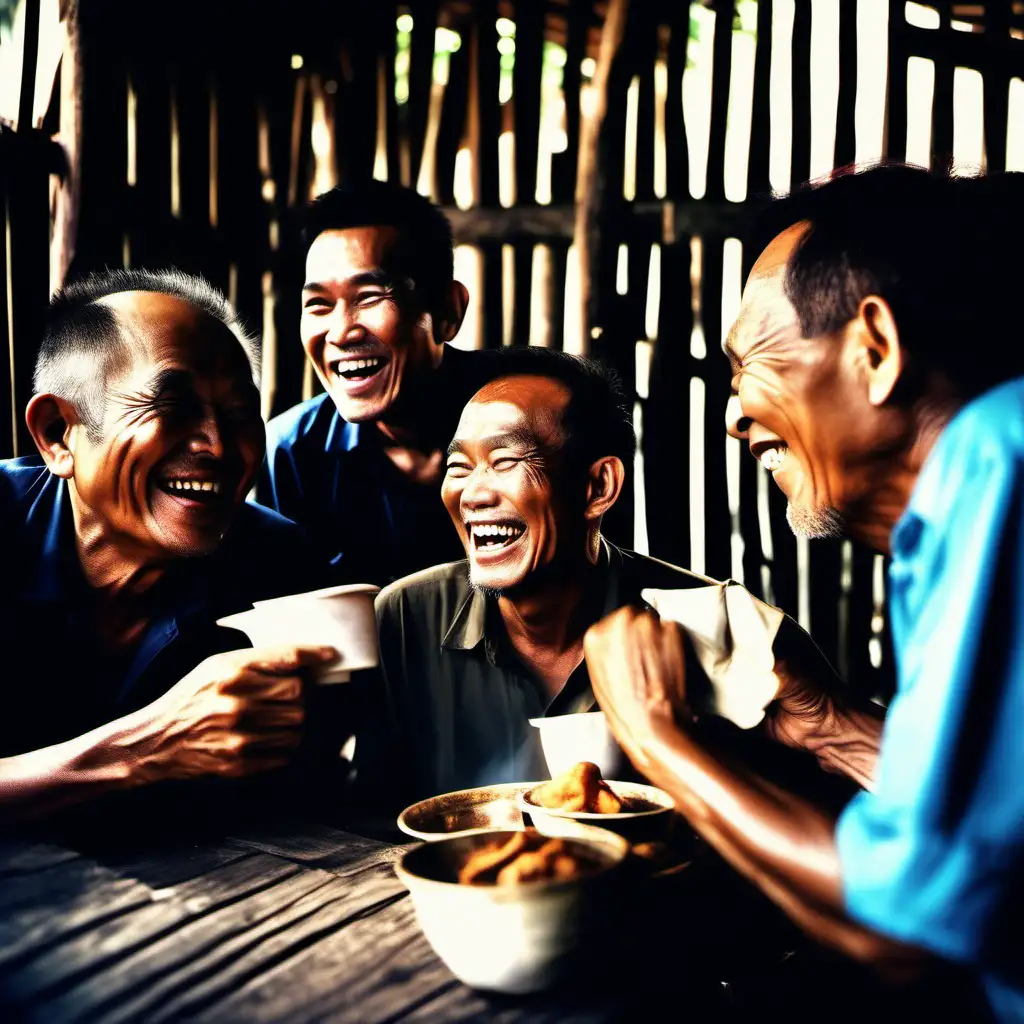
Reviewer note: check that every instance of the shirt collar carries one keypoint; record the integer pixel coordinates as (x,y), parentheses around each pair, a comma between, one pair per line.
(476,618)
(342,436)
(49,515)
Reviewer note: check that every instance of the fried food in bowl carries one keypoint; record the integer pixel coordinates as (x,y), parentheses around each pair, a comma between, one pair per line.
(579,795)
(507,910)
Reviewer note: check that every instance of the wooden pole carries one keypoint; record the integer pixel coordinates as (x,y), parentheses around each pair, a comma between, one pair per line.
(588,175)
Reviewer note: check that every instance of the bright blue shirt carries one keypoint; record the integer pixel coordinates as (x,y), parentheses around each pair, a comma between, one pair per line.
(934,856)
(334,479)
(57,679)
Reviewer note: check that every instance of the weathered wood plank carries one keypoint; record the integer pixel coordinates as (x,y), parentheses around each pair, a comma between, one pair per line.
(453,124)
(760,124)
(721,72)
(143,984)
(331,953)
(942,101)
(485,125)
(846,129)
(716,375)
(667,413)
(421,70)
(800,169)
(677,154)
(563,165)
(896,105)
(145,918)
(526,86)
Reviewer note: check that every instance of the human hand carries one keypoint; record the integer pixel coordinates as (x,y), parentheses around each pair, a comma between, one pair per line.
(234,714)
(637,668)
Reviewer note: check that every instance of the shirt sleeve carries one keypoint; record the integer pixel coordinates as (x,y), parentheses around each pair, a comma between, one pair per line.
(933,856)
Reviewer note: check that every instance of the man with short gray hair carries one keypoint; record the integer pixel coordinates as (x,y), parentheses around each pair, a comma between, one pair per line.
(127,537)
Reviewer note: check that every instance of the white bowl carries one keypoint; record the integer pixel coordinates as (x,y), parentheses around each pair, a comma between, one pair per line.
(340,617)
(513,939)
(650,819)
(465,812)
(568,739)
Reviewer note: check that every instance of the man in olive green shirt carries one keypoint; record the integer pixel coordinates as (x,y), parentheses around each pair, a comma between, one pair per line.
(472,650)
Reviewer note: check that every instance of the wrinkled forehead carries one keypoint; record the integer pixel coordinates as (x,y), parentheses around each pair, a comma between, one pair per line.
(527,404)
(161,329)
(765,310)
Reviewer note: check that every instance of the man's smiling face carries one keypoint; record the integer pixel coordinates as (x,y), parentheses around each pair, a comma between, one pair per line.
(505,480)
(364,325)
(799,402)
(181,439)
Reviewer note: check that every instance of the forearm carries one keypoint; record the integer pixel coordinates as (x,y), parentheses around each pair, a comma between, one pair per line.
(40,782)
(844,739)
(780,842)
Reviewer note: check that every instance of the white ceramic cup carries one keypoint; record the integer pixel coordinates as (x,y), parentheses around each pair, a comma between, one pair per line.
(568,739)
(339,617)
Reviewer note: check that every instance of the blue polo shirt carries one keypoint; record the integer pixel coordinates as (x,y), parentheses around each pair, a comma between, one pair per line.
(57,679)
(935,856)
(334,479)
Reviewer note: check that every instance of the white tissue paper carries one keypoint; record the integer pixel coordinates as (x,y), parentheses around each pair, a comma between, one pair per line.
(732,633)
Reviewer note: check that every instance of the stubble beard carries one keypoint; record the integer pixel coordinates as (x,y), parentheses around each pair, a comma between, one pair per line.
(818,523)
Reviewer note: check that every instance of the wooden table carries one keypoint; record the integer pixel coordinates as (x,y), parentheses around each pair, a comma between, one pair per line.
(295,921)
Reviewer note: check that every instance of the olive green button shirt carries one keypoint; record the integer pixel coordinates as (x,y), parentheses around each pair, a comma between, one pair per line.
(460,699)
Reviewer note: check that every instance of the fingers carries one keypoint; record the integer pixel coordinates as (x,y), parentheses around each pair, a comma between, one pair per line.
(254,684)
(289,660)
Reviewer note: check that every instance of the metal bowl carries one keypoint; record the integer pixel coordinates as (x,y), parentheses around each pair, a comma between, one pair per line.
(465,812)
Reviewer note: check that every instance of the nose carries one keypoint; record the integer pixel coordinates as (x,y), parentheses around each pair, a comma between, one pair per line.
(735,422)
(479,492)
(344,326)
(208,436)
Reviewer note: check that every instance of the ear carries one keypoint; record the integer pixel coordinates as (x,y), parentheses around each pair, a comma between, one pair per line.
(604,485)
(50,420)
(879,341)
(452,312)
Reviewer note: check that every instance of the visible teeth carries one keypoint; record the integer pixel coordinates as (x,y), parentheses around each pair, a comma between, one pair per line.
(773,458)
(493,530)
(211,486)
(358,364)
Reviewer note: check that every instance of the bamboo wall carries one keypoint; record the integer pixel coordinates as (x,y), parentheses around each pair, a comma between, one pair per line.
(192,139)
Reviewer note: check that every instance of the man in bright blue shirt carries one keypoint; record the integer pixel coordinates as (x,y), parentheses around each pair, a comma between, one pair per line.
(126,538)
(854,385)
(360,466)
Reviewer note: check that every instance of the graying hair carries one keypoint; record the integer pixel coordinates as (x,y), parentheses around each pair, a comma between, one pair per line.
(83,345)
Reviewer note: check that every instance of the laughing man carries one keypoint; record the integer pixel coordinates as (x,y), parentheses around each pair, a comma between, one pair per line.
(127,537)
(359,467)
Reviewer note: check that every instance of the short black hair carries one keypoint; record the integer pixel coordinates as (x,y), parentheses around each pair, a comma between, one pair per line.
(598,420)
(941,250)
(425,252)
(83,346)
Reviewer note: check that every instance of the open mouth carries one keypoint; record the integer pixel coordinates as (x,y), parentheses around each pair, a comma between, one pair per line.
(359,369)
(771,454)
(494,536)
(193,489)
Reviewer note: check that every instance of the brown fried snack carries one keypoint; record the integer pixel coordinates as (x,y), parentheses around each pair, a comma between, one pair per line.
(552,860)
(579,789)
(483,865)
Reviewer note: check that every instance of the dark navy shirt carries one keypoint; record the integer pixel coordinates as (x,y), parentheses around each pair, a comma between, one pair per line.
(334,479)
(58,680)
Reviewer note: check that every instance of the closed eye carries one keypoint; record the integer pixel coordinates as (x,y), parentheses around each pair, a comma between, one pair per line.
(316,302)
(505,463)
(457,469)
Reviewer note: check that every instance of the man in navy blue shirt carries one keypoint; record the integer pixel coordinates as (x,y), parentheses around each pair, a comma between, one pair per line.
(126,538)
(360,466)
(877,376)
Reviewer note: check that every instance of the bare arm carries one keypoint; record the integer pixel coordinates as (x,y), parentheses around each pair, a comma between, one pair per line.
(816,713)
(233,715)
(779,841)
